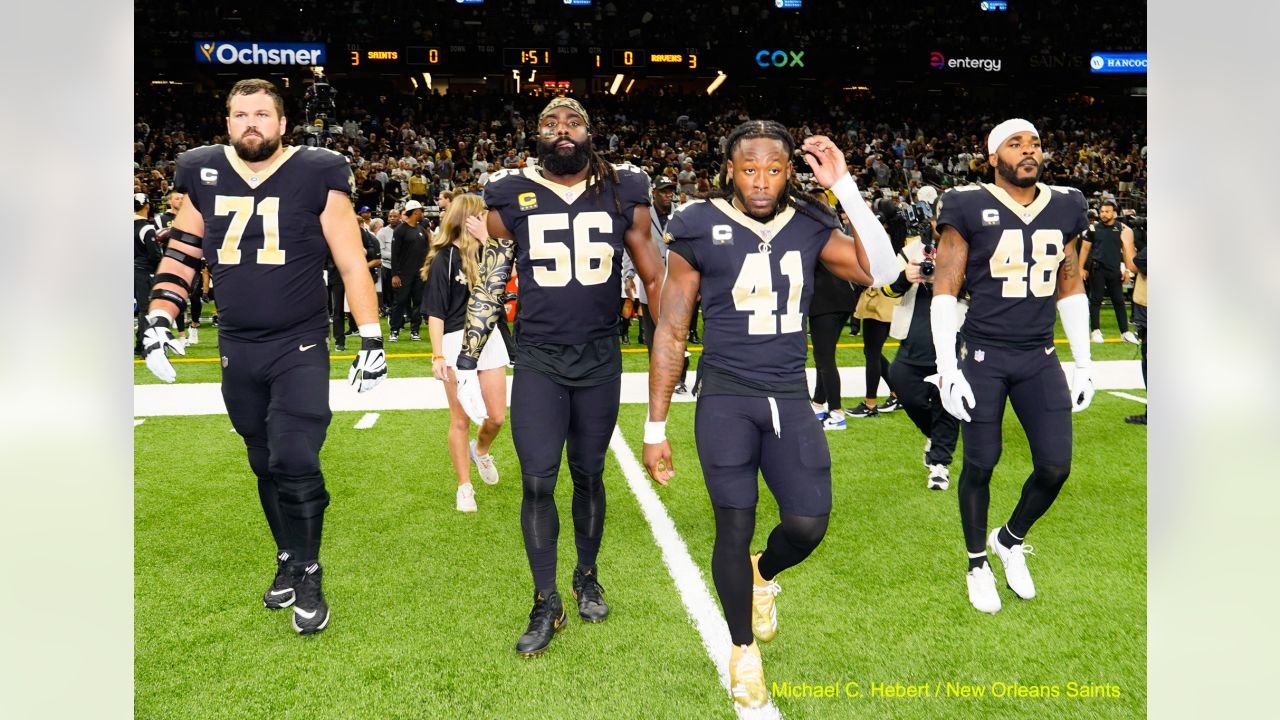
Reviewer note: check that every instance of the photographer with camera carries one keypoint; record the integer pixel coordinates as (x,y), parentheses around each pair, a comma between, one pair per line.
(915,359)
(1103,271)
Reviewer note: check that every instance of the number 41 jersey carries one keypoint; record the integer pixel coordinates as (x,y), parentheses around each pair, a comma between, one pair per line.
(1014,253)
(262,236)
(569,243)
(756,283)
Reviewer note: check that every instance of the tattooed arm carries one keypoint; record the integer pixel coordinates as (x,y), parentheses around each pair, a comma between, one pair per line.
(486,297)
(679,293)
(1070,279)
(949,264)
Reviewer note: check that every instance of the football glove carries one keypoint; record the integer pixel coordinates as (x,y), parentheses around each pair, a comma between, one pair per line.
(955,392)
(370,366)
(469,395)
(157,341)
(1081,389)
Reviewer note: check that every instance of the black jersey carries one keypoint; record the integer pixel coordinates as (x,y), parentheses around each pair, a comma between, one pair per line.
(146,250)
(1105,246)
(1014,252)
(262,236)
(447,289)
(569,243)
(757,281)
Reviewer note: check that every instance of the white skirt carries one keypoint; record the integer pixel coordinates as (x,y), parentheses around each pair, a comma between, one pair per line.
(494,354)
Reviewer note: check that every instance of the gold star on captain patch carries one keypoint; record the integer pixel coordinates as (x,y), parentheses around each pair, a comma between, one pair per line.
(667,238)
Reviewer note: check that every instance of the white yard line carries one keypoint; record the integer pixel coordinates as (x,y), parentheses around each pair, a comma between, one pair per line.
(702,609)
(138,421)
(367,421)
(1127,396)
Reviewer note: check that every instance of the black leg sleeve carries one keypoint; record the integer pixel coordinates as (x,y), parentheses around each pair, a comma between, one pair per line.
(731,569)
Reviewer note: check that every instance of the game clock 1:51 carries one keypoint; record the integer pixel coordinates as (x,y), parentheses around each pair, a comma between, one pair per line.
(527,57)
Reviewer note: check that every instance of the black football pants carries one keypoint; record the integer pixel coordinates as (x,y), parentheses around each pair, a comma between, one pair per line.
(548,418)
(1103,282)
(824,331)
(923,405)
(408,300)
(277,396)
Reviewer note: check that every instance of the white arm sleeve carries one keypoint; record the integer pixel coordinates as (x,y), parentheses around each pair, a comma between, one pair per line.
(942,321)
(884,261)
(1074,310)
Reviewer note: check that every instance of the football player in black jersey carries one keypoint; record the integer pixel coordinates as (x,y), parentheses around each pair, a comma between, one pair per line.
(266,217)
(563,225)
(751,251)
(1012,244)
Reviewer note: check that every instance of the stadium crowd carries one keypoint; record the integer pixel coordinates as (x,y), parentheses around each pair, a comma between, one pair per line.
(417,146)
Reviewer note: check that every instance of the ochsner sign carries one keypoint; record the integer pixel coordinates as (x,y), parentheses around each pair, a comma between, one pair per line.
(939,61)
(255,53)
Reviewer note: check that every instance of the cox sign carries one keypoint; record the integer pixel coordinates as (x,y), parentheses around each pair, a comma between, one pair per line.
(780,58)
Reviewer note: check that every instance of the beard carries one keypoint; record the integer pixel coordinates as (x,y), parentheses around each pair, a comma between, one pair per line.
(1010,173)
(265,149)
(746,207)
(558,163)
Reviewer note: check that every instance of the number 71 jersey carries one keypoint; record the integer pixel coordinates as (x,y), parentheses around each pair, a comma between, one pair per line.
(1014,253)
(569,243)
(262,236)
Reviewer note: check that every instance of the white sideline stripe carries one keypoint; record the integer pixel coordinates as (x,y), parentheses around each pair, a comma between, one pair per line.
(1127,396)
(428,394)
(138,421)
(367,421)
(702,610)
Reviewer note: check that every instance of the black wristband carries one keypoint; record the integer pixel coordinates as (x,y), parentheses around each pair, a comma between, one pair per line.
(371,343)
(466,363)
(171,296)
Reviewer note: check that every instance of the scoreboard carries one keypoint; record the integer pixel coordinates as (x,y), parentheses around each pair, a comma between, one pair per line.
(479,59)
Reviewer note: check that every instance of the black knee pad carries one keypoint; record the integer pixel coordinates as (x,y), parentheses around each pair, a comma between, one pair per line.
(302,496)
(539,488)
(584,484)
(973,474)
(294,454)
(805,531)
(1050,476)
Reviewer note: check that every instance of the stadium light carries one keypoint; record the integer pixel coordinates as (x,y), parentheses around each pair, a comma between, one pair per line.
(533,74)
(617,82)
(516,74)
(720,78)
(633,82)
(414,80)
(426,77)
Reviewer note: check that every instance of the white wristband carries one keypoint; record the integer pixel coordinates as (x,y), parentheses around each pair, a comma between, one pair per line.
(655,432)
(371,330)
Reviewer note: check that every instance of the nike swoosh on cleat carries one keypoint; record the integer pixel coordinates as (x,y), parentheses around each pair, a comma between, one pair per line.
(306,615)
(304,348)
(1048,351)
(282,592)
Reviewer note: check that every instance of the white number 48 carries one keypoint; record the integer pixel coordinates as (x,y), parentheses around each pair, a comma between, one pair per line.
(1008,263)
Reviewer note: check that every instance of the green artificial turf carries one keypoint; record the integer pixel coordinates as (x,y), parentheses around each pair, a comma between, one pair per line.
(407,358)
(428,602)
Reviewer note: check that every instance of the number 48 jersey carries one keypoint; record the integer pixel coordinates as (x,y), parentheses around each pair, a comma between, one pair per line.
(569,243)
(1014,253)
(756,283)
(262,236)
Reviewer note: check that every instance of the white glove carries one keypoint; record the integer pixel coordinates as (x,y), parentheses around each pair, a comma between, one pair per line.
(1081,389)
(370,366)
(157,341)
(955,392)
(469,395)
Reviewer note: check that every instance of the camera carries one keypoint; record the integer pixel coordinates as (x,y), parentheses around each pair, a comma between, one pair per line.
(927,265)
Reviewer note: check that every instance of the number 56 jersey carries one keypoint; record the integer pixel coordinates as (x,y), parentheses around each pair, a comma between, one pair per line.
(1014,253)
(569,243)
(756,283)
(262,236)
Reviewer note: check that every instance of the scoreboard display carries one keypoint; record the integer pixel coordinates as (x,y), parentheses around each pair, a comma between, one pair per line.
(473,59)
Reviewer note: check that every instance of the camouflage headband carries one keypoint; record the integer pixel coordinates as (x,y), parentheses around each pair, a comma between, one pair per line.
(565,102)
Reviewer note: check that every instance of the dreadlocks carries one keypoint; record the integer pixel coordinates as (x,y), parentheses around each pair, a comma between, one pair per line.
(597,170)
(792,194)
